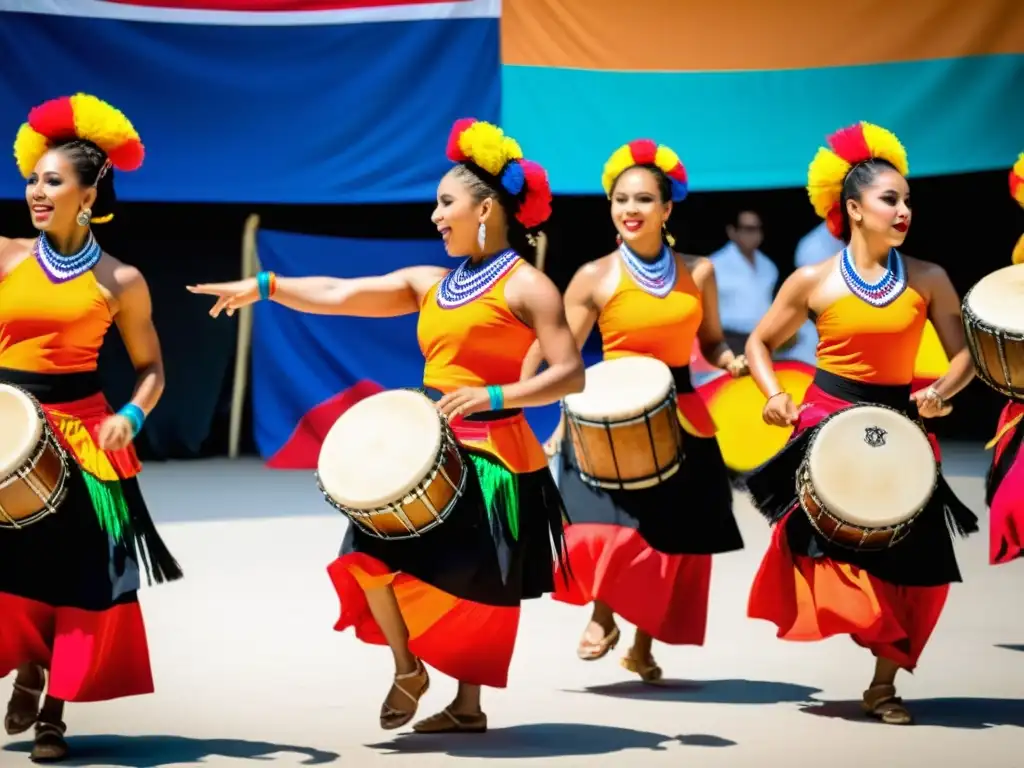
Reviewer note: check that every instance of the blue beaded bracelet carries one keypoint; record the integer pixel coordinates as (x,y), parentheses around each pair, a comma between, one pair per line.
(497,396)
(135,415)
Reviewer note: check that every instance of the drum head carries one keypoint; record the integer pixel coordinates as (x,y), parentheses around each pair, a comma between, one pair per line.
(621,388)
(872,466)
(998,299)
(380,449)
(22,429)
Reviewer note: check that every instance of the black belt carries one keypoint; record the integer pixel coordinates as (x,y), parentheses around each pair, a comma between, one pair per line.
(49,388)
(505,413)
(893,395)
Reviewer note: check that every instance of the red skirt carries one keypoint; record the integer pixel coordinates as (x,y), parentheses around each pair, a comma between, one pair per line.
(1005,488)
(65,602)
(459,587)
(647,553)
(813,598)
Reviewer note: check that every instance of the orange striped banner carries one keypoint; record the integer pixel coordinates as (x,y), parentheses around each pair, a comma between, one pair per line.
(731,35)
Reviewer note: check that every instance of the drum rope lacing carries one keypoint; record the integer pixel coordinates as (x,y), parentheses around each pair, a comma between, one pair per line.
(882,292)
(469,281)
(60,268)
(657,277)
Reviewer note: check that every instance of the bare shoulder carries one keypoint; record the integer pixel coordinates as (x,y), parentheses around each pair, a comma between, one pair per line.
(529,282)
(422,278)
(118,277)
(595,269)
(922,269)
(13,251)
(701,267)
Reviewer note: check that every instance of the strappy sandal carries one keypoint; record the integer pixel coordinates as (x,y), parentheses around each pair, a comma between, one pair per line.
(882,703)
(391,718)
(50,746)
(447,721)
(20,717)
(591,651)
(648,668)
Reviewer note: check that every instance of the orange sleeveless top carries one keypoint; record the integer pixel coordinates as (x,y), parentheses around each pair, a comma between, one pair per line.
(634,322)
(872,344)
(51,328)
(479,343)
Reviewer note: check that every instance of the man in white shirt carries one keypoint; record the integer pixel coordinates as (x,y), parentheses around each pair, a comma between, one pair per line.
(813,248)
(746,279)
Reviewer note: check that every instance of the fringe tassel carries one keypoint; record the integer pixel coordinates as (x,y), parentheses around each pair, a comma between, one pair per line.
(110,506)
(500,489)
(129,524)
(772,486)
(960,520)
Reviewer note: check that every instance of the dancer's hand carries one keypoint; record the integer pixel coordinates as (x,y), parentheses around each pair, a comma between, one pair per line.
(780,411)
(230,296)
(930,404)
(738,366)
(464,402)
(115,433)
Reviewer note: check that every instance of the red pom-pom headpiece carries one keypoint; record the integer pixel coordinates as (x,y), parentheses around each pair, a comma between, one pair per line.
(646,152)
(486,147)
(78,117)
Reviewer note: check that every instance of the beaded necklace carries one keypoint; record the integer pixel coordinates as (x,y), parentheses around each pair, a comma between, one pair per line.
(469,281)
(657,277)
(882,292)
(60,268)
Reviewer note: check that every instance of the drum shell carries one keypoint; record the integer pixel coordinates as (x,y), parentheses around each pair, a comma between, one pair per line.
(998,355)
(636,452)
(424,508)
(37,487)
(842,533)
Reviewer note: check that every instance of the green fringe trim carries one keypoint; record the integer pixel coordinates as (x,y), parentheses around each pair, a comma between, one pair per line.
(500,488)
(110,505)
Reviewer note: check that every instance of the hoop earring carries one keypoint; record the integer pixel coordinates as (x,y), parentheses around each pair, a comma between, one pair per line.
(83,218)
(668,236)
(481,235)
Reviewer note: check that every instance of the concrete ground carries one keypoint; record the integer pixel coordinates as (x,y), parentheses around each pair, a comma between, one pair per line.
(248,667)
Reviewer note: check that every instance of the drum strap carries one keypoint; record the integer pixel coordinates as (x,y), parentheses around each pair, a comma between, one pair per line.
(682,380)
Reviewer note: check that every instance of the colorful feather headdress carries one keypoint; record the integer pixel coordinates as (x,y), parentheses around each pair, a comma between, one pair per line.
(646,152)
(487,147)
(846,148)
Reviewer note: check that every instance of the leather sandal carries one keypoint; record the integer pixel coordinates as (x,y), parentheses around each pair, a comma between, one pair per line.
(647,668)
(391,718)
(23,707)
(882,703)
(591,651)
(49,746)
(447,721)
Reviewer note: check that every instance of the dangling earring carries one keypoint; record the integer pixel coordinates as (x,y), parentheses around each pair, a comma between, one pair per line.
(667,235)
(84,217)
(481,235)
(618,239)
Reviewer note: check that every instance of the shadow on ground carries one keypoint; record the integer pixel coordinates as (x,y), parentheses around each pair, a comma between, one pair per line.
(708,691)
(970,714)
(544,740)
(156,751)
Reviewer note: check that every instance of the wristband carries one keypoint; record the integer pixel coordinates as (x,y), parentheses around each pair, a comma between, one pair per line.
(135,415)
(780,392)
(266,284)
(497,397)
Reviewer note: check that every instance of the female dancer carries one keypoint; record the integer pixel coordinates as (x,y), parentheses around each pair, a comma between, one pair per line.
(870,304)
(1004,486)
(452,599)
(68,604)
(634,553)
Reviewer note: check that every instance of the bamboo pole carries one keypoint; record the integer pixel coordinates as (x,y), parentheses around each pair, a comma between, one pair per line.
(250,266)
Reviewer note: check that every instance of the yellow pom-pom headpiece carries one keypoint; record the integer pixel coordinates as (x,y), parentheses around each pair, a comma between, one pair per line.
(1017,180)
(646,152)
(78,117)
(848,147)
